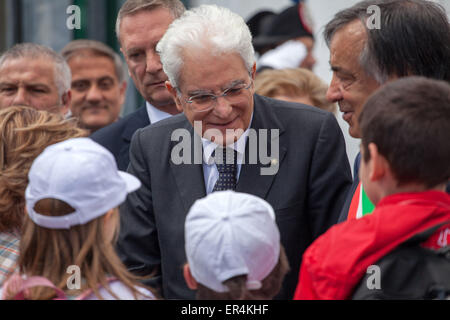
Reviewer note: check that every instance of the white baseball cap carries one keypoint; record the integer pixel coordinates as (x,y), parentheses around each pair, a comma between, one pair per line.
(81,173)
(228,234)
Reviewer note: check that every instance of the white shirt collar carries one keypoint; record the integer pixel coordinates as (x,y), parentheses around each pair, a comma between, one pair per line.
(155,114)
(238,146)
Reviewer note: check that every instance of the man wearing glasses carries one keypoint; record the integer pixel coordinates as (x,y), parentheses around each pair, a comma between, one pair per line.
(208,57)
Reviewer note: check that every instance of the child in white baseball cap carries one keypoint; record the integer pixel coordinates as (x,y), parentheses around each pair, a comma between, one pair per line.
(72,203)
(233,248)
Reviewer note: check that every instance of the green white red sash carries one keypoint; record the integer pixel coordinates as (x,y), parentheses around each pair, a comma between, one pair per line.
(360,205)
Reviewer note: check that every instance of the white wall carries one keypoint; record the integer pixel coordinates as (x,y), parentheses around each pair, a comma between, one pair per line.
(246,8)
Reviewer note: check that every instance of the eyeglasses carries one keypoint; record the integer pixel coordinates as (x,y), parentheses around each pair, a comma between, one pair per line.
(205,101)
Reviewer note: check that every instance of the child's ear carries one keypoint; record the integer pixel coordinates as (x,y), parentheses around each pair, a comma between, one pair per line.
(190,281)
(109,214)
(379,166)
(110,223)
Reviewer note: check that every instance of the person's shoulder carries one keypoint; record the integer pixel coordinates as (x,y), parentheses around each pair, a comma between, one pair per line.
(294,116)
(166,126)
(9,237)
(120,125)
(9,243)
(173,121)
(122,292)
(329,255)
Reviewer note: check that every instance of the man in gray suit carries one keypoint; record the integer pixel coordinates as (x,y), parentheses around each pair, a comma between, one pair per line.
(291,155)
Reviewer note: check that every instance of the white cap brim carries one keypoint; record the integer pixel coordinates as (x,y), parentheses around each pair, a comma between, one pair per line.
(131,181)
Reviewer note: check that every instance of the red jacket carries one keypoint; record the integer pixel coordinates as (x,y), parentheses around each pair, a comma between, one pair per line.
(336,262)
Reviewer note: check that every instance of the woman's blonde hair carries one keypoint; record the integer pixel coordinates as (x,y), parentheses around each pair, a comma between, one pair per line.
(49,252)
(24,134)
(294,83)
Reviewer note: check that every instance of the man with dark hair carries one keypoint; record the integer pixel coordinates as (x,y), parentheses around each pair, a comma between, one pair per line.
(405,168)
(140,25)
(412,38)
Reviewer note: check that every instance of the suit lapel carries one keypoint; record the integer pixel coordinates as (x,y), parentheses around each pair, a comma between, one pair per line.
(189,177)
(251,180)
(139,120)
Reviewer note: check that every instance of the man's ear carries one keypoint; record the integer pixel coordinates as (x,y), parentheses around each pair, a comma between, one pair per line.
(378,164)
(190,281)
(125,56)
(123,92)
(66,99)
(174,93)
(254,71)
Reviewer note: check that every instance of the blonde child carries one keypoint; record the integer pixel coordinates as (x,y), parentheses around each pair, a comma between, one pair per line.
(24,134)
(71,200)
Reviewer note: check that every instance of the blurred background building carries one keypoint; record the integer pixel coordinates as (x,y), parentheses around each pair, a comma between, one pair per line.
(45,22)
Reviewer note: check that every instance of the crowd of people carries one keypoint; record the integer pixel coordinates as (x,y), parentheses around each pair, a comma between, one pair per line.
(232,181)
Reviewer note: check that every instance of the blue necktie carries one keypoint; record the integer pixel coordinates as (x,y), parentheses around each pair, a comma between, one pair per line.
(225,160)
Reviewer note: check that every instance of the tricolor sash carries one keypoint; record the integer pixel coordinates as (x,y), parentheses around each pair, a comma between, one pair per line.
(360,205)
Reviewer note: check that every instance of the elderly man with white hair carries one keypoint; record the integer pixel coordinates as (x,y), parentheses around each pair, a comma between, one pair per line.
(219,143)
(35,76)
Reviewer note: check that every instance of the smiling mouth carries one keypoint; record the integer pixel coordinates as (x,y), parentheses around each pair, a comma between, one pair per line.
(157,84)
(222,125)
(347,115)
(94,108)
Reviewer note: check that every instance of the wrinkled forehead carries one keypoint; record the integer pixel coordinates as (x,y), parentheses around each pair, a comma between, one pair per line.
(350,37)
(346,46)
(92,61)
(29,70)
(211,65)
(87,53)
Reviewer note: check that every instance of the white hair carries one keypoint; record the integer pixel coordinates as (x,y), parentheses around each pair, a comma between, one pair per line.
(208,27)
(62,74)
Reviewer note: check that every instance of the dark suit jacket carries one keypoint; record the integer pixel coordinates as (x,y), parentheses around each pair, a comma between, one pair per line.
(307,193)
(348,199)
(117,136)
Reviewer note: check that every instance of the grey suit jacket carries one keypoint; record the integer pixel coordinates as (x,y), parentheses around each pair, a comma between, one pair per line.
(307,193)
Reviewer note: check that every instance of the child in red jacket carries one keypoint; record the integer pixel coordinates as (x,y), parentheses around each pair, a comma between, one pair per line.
(404,170)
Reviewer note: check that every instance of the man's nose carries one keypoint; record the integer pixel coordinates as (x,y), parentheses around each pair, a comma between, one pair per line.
(153,62)
(334,93)
(21,98)
(94,94)
(222,107)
